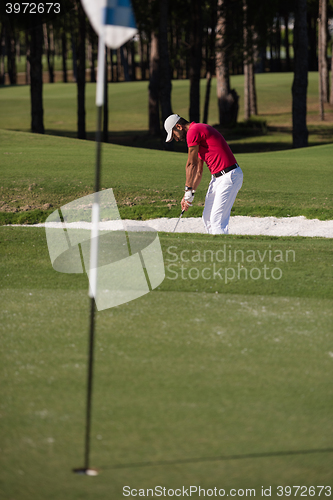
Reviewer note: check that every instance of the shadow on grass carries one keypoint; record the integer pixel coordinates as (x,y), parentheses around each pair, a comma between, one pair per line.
(141,139)
(242,140)
(217,459)
(131,138)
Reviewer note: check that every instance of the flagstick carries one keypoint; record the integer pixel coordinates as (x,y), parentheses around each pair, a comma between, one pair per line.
(94,256)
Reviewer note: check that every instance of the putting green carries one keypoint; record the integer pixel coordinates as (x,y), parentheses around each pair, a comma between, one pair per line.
(228,390)
(222,376)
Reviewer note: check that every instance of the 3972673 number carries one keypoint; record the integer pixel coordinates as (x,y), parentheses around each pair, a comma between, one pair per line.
(32,8)
(304,491)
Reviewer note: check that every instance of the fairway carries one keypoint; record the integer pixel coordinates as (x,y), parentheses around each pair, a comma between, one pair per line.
(41,170)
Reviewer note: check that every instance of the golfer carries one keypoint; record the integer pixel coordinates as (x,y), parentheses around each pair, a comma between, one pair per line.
(206,144)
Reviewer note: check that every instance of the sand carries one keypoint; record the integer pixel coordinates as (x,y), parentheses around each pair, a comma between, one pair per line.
(271,226)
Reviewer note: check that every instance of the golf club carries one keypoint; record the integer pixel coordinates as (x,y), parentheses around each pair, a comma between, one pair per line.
(178,220)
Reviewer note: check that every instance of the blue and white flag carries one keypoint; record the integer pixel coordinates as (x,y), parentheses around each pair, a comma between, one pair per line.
(112,19)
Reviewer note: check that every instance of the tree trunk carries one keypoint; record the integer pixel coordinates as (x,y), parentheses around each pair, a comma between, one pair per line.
(227,99)
(81,74)
(195,60)
(286,41)
(207,97)
(127,61)
(36,77)
(321,64)
(74,56)
(250,46)
(51,54)
(49,50)
(300,83)
(106,101)
(210,64)
(11,55)
(118,71)
(312,36)
(18,48)
(27,58)
(278,44)
(154,115)
(164,65)
(247,64)
(2,54)
(92,44)
(142,59)
(124,63)
(179,61)
(64,55)
(322,52)
(331,94)
(133,63)
(247,104)
(112,52)
(253,92)
(187,58)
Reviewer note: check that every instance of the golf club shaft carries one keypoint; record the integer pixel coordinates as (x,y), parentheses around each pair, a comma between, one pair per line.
(179,220)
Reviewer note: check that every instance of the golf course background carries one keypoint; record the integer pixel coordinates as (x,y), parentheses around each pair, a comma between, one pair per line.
(202,382)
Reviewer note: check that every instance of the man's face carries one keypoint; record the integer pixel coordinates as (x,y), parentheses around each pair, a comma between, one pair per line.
(178,133)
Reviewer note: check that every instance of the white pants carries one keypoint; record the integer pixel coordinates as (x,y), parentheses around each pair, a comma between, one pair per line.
(220,197)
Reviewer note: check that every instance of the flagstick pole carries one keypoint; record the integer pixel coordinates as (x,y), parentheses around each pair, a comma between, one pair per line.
(94,255)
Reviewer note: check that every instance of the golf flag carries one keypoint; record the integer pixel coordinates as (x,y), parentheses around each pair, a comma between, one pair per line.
(111,19)
(113,22)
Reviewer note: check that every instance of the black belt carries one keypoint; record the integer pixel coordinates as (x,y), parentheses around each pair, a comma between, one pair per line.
(226,170)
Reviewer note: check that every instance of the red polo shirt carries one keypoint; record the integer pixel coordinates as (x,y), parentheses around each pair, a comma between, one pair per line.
(213,148)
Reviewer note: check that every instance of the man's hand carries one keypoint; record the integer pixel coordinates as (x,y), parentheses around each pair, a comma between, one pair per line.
(187,201)
(185,204)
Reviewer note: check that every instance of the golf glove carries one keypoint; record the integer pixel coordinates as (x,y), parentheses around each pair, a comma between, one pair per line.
(189,196)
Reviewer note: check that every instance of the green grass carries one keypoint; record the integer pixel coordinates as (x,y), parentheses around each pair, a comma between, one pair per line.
(240,373)
(38,171)
(128,111)
(193,263)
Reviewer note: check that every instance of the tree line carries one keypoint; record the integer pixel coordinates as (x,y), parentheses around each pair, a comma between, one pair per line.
(190,39)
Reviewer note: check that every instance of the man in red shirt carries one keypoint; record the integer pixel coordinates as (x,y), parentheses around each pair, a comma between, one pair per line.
(206,144)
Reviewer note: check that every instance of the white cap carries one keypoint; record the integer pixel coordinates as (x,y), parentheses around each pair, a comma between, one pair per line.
(169,123)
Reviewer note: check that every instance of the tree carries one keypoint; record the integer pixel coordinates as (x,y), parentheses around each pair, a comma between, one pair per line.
(322,61)
(250,46)
(49,49)
(210,58)
(106,100)
(300,83)
(195,59)
(164,66)
(64,54)
(81,73)
(11,54)
(93,53)
(36,79)
(285,8)
(247,63)
(153,111)
(2,54)
(331,94)
(227,98)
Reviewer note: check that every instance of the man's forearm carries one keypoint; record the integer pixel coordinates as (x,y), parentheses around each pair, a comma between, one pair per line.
(191,173)
(197,180)
(198,175)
